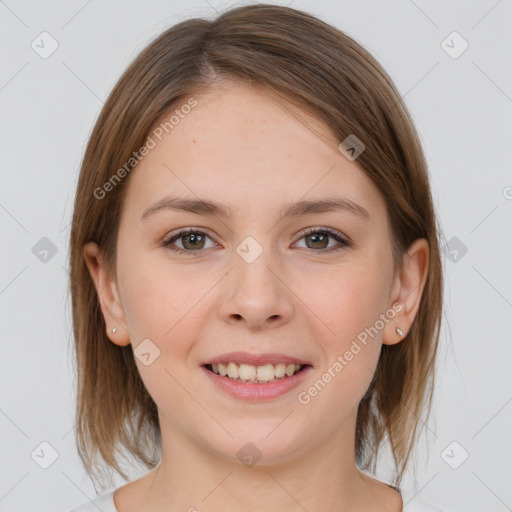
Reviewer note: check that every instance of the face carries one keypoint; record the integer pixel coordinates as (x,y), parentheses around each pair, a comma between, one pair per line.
(283,287)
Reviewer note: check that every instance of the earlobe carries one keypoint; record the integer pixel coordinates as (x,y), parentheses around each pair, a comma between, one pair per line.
(108,294)
(408,290)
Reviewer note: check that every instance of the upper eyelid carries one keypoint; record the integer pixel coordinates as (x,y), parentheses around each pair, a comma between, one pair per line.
(185,231)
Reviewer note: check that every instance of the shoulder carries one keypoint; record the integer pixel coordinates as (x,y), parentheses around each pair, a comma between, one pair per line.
(105,503)
(413,503)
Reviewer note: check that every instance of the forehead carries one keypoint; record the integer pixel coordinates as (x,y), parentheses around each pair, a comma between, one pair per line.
(242,148)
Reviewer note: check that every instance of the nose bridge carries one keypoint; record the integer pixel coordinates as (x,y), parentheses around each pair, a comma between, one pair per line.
(254,291)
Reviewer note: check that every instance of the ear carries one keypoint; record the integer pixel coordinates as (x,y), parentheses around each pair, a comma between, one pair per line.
(407,291)
(108,294)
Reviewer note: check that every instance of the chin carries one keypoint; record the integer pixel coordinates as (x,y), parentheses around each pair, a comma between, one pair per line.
(260,442)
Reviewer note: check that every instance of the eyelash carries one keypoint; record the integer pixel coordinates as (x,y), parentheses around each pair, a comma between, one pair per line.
(343,243)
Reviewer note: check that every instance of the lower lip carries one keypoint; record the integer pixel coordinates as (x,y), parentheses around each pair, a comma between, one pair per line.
(257,392)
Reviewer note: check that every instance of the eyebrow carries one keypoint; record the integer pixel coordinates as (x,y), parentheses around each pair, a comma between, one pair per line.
(204,207)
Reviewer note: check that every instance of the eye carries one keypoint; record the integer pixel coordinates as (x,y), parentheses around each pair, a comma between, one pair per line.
(317,239)
(193,241)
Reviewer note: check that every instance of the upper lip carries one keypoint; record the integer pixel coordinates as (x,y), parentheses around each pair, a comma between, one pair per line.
(254,359)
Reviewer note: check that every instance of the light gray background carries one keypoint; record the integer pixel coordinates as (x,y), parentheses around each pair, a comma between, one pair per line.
(462,108)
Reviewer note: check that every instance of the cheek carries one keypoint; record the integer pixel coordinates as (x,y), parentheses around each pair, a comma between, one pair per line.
(166,308)
(346,304)
(349,306)
(158,300)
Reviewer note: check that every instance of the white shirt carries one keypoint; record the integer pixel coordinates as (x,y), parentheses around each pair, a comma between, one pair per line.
(105,503)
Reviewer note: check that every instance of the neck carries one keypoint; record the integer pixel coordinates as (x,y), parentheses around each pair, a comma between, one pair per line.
(191,477)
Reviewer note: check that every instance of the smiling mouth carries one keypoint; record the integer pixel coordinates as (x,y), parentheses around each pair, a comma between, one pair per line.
(255,374)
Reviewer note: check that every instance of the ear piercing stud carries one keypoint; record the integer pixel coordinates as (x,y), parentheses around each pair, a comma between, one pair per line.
(399,331)
(114,330)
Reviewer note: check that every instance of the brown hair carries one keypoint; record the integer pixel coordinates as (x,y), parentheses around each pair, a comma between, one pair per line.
(317,67)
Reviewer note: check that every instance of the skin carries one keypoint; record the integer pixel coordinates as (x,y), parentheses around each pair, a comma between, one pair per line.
(241,148)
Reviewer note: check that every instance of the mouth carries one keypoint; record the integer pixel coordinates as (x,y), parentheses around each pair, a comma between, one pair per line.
(252,374)
(255,377)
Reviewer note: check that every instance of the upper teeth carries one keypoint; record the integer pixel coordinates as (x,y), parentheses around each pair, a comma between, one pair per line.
(248,372)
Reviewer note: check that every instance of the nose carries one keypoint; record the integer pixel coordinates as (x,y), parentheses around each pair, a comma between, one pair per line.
(256,294)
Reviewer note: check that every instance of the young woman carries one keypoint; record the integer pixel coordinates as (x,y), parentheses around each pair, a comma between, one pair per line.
(255,273)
